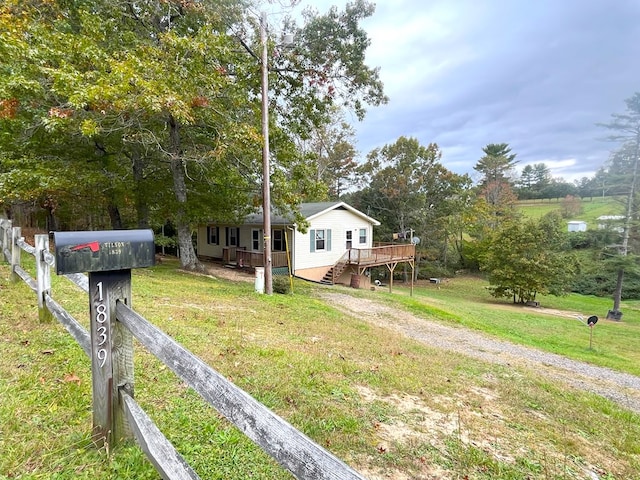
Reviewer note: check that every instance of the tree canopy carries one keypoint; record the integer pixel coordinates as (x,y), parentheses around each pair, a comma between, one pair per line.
(155,106)
(529,257)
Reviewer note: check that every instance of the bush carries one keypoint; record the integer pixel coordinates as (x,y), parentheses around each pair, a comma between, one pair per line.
(281,285)
(594,280)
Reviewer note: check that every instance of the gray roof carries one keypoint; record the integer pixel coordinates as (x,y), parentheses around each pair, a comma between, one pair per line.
(307,210)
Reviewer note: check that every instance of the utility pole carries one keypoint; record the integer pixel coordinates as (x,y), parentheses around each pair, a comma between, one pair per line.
(266,176)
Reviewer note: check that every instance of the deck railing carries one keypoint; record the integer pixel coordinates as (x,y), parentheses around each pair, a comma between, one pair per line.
(245,258)
(379,254)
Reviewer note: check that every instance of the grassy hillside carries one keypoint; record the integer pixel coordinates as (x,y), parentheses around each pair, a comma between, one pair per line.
(388,406)
(592,208)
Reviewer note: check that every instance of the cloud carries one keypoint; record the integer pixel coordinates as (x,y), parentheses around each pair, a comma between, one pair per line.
(536,75)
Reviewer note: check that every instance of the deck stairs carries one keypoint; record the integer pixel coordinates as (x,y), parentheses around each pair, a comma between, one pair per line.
(334,273)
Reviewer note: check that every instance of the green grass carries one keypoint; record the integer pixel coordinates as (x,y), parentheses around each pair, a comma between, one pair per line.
(388,406)
(466,301)
(592,208)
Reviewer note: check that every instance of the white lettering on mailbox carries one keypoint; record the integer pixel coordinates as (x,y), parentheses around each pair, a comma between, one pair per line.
(102,330)
(113,248)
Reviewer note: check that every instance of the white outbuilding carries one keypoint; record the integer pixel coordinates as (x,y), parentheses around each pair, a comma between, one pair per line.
(577,226)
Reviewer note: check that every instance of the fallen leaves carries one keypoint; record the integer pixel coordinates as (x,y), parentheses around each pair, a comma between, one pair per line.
(72,377)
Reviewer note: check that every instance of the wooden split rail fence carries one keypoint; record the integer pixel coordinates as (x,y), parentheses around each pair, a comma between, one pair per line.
(120,416)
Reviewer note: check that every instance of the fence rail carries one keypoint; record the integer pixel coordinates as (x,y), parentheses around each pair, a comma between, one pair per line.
(292,449)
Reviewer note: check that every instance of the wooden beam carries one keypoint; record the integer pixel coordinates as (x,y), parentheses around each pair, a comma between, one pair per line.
(391,266)
(291,448)
(164,457)
(111,354)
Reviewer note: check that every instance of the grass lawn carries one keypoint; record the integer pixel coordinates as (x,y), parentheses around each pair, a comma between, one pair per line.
(556,327)
(592,208)
(386,405)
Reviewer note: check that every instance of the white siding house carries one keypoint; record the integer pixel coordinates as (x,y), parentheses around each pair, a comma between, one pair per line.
(334,228)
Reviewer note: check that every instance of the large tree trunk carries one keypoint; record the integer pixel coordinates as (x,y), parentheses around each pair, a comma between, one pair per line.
(617,294)
(142,206)
(114,216)
(188,258)
(628,223)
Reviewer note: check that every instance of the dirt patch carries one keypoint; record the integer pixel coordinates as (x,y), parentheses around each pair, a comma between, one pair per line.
(219,270)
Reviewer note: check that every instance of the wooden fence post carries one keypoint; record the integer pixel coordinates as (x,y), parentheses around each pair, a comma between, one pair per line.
(3,244)
(43,276)
(5,228)
(15,252)
(111,355)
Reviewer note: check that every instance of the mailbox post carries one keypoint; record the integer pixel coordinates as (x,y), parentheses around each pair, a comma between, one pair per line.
(108,257)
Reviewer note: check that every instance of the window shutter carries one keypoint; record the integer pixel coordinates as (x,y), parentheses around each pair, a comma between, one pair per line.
(226,236)
(238,237)
(328,240)
(312,247)
(208,235)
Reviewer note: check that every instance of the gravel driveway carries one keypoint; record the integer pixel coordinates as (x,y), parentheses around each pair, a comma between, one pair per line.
(621,388)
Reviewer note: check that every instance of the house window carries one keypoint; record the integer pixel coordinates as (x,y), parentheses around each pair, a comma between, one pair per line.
(320,239)
(233,235)
(212,235)
(363,235)
(278,241)
(255,240)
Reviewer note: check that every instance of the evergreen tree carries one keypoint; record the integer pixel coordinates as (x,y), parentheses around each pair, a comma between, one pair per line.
(625,165)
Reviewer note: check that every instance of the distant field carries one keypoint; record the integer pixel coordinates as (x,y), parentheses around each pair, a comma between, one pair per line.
(592,208)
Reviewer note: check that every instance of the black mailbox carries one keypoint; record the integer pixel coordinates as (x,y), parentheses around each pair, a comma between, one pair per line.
(98,251)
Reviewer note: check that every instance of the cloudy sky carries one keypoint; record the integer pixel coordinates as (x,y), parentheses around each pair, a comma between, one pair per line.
(536,74)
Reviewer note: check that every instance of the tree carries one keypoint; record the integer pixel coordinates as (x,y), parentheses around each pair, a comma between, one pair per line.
(332,147)
(625,164)
(496,199)
(496,164)
(570,206)
(527,178)
(529,257)
(586,187)
(163,89)
(541,175)
(406,188)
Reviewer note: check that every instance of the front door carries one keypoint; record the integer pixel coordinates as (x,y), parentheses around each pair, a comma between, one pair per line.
(349,239)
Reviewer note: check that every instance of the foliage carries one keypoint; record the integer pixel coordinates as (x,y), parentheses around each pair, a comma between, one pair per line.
(281,284)
(333,152)
(409,191)
(528,257)
(570,206)
(153,108)
(598,277)
(338,380)
(496,164)
(164,241)
(625,166)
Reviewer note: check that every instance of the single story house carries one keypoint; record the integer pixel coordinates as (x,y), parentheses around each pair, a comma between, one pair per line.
(334,229)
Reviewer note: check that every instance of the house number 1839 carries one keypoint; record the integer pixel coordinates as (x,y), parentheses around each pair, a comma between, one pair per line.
(102,332)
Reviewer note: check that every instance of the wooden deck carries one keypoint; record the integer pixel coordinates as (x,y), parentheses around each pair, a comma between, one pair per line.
(380,255)
(359,259)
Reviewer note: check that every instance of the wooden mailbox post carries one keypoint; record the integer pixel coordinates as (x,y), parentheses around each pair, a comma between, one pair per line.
(108,257)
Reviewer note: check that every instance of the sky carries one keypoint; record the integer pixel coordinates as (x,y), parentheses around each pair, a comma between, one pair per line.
(536,74)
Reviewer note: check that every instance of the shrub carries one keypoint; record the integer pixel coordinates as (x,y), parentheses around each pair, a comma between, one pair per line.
(281,285)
